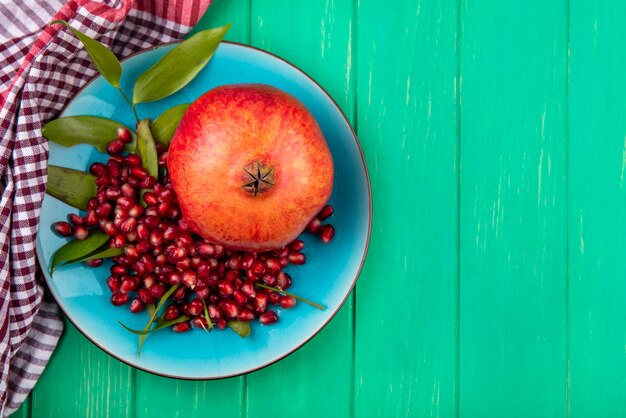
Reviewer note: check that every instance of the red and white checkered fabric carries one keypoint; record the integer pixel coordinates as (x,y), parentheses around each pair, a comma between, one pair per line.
(41,69)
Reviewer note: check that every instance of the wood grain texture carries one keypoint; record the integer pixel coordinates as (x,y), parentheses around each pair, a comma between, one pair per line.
(406,300)
(83,381)
(513,326)
(597,208)
(163,397)
(317,378)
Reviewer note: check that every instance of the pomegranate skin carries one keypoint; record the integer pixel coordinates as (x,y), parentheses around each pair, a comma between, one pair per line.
(225,140)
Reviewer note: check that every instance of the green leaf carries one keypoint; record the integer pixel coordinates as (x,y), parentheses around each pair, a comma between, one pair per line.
(275,289)
(206,316)
(92,130)
(165,125)
(165,297)
(240,327)
(102,57)
(71,186)
(102,252)
(178,67)
(163,324)
(146,148)
(75,249)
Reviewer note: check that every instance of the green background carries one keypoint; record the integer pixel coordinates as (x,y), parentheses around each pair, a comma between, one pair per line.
(494,132)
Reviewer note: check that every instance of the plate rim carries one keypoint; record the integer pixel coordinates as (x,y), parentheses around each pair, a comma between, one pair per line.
(354,280)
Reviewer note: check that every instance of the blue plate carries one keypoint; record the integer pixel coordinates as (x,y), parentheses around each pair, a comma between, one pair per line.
(327,277)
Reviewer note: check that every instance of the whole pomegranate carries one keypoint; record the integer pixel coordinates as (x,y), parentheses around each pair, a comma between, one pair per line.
(250,167)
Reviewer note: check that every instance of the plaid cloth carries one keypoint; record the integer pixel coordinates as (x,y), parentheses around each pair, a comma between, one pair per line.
(42,68)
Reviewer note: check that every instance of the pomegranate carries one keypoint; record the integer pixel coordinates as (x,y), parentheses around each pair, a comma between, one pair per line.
(250,167)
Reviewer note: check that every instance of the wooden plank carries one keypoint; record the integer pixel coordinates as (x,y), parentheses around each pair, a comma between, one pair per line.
(323,368)
(597,204)
(83,381)
(406,299)
(162,397)
(513,292)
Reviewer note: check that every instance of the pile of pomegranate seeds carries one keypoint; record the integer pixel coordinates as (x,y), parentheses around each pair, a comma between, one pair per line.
(142,216)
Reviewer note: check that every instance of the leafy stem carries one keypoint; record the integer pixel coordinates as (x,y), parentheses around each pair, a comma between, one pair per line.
(130,103)
(275,289)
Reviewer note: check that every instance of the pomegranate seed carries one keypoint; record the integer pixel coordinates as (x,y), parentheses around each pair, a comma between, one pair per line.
(183,226)
(296,245)
(184,241)
(269,317)
(104,210)
(204,248)
(151,222)
(125,202)
(167,195)
(221,324)
(248,289)
(136,211)
(274,298)
(144,295)
(245,315)
(257,268)
(314,226)
(98,169)
(171,312)
(131,251)
(132,160)
(144,246)
(80,232)
(62,228)
(92,203)
(214,312)
(150,199)
(91,219)
(102,181)
(230,308)
(203,270)
(113,192)
(234,262)
(194,308)
(148,182)
(124,135)
(326,212)
(239,297)
(212,280)
(175,278)
(272,265)
(181,327)
(175,253)
(137,305)
(96,262)
(129,284)
(268,280)
(183,264)
(118,270)
(138,172)
(164,209)
(219,251)
(202,293)
(180,293)
(156,238)
(283,281)
(200,323)
(75,219)
(128,191)
(163,160)
(128,225)
(114,147)
(297,258)
(327,233)
(260,302)
(160,259)
(113,283)
(287,302)
(148,281)
(189,278)
(225,288)
(119,298)
(119,240)
(170,233)
(157,290)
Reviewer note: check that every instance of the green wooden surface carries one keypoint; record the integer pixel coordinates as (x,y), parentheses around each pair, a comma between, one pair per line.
(495,135)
